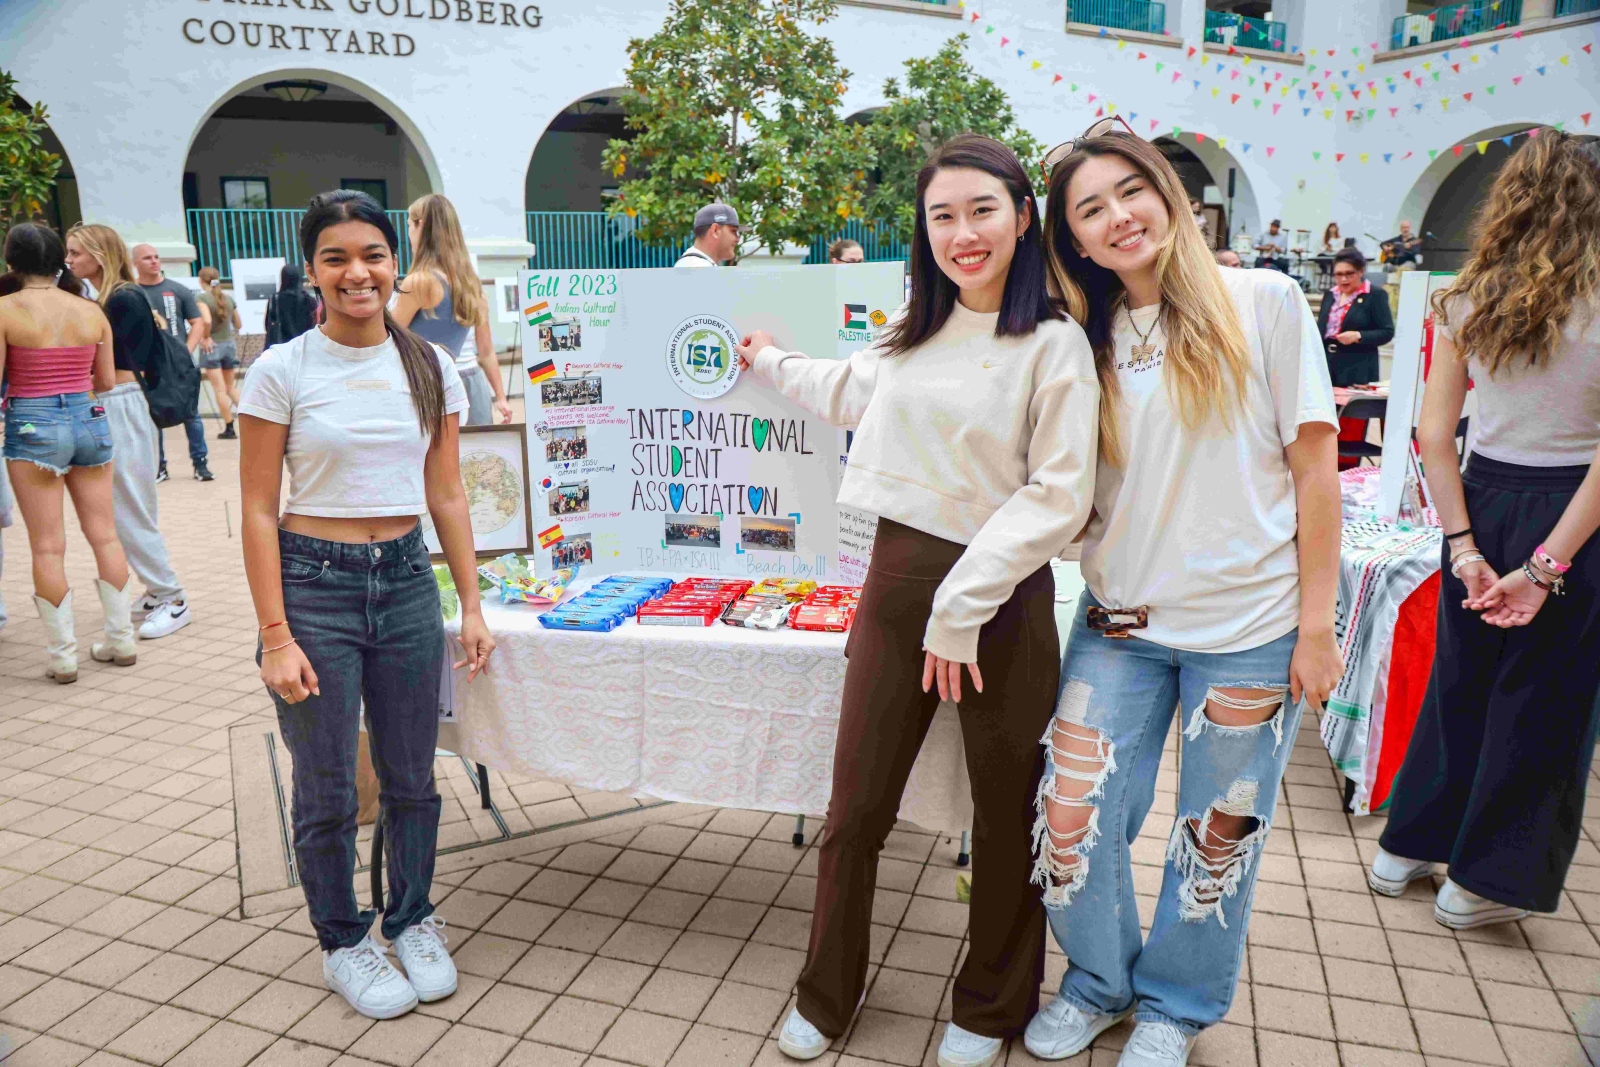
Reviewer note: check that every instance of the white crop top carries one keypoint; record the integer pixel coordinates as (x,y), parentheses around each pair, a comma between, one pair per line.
(355,449)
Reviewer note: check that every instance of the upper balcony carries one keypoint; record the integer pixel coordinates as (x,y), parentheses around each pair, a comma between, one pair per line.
(1137,16)
(1467,19)
(1241,31)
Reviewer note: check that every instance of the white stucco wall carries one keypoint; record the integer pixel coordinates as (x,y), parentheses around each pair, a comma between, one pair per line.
(128,92)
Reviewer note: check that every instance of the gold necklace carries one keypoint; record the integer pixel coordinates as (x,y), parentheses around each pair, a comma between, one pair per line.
(1144,350)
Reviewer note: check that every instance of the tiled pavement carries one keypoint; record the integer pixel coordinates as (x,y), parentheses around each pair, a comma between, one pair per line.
(667,937)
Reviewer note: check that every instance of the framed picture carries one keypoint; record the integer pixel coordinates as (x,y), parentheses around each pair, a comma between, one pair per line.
(494,471)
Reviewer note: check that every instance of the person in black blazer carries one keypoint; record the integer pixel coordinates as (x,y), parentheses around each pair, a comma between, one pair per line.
(1352,338)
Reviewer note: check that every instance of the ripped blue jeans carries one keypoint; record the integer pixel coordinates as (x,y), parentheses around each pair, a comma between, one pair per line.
(1104,749)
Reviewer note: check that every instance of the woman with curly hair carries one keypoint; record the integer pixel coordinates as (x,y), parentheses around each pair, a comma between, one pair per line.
(1493,783)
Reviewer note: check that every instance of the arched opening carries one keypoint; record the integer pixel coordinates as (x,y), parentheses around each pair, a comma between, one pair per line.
(272,143)
(1212,175)
(62,211)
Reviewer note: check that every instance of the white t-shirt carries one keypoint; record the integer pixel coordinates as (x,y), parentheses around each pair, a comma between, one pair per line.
(355,449)
(693,257)
(1200,526)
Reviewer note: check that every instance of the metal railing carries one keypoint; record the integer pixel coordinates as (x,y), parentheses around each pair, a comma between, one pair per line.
(1576,7)
(1459,20)
(594,240)
(876,247)
(1146,16)
(221,235)
(1242,31)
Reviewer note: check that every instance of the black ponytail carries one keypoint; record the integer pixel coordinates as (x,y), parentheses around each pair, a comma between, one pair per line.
(418,357)
(36,251)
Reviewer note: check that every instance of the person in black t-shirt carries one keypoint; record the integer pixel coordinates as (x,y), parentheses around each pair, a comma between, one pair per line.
(180,312)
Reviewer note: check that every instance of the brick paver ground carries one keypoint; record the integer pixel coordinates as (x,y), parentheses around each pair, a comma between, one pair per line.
(673,943)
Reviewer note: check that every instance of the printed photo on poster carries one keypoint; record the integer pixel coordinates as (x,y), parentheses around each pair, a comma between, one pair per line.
(767,535)
(693,531)
(569,498)
(567,444)
(494,471)
(570,392)
(509,305)
(574,550)
(561,334)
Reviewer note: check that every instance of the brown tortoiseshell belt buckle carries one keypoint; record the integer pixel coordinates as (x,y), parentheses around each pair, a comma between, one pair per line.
(1116,622)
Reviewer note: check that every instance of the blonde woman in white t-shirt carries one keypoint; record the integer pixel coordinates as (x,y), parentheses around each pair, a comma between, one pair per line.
(1211,566)
(364,414)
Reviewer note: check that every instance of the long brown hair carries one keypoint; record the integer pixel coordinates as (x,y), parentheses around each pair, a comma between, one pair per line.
(1535,254)
(418,357)
(442,247)
(1025,302)
(106,246)
(211,278)
(1207,358)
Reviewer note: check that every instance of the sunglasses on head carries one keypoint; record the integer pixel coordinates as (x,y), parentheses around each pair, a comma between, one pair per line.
(1054,157)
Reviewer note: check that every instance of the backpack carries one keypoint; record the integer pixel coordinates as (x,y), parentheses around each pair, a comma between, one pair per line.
(171,382)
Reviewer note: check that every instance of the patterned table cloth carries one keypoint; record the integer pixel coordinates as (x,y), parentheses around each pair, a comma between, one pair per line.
(707,715)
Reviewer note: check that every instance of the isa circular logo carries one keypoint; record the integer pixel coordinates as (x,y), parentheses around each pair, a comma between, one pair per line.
(700,356)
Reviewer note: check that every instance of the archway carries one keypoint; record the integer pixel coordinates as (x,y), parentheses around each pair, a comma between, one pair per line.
(273,142)
(62,212)
(1205,167)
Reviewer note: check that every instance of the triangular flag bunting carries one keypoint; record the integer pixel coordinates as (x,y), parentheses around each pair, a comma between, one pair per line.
(1405,157)
(1222,142)
(1585,117)
(1483,146)
(1270,150)
(1506,140)
(1233,98)
(1004,41)
(1457,150)
(1141,55)
(1055,79)
(1490,90)
(1363,157)
(1467,97)
(1338,157)
(1200,138)
(1245,146)
(1433,153)
(1317,156)
(1563,60)
(1516,80)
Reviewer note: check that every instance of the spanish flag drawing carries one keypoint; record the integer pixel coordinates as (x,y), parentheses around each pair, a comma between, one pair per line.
(540,371)
(538,313)
(550,536)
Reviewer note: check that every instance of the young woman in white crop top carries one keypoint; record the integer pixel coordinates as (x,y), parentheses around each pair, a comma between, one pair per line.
(364,415)
(974,417)
(1211,567)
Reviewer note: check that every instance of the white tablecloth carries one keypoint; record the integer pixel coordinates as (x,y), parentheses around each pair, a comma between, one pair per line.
(709,715)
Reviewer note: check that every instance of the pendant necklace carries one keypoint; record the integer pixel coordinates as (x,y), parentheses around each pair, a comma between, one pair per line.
(1144,350)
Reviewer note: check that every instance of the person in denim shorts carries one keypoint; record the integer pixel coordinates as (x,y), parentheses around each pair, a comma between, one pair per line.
(55,351)
(1211,565)
(219,354)
(364,414)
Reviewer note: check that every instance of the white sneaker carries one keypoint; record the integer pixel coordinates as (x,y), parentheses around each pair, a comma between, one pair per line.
(144,606)
(169,617)
(365,978)
(963,1048)
(427,962)
(799,1040)
(1390,874)
(1156,1045)
(1462,909)
(1062,1029)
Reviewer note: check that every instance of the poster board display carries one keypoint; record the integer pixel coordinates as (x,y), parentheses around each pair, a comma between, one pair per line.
(507,301)
(1406,382)
(494,472)
(254,282)
(650,451)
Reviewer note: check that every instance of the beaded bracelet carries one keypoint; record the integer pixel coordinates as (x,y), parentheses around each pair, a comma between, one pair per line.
(286,644)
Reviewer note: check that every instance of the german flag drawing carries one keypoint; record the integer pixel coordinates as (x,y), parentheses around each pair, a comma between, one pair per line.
(550,536)
(540,371)
(538,313)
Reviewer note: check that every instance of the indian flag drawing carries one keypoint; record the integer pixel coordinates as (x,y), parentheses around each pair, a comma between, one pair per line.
(538,313)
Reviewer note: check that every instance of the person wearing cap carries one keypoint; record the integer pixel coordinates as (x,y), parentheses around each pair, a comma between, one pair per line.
(716,237)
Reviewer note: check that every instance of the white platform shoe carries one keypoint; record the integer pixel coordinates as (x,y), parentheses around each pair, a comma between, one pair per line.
(61,642)
(118,647)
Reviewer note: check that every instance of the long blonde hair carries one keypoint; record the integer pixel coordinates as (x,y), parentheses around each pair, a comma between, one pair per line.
(105,245)
(442,247)
(1535,254)
(1207,357)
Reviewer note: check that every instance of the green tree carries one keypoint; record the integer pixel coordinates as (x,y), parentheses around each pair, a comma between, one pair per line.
(29,171)
(943,96)
(733,100)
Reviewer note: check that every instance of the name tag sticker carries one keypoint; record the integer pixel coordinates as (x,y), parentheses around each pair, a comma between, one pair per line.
(377,385)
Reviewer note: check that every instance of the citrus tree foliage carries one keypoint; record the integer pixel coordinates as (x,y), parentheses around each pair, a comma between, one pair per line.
(29,171)
(734,100)
(942,97)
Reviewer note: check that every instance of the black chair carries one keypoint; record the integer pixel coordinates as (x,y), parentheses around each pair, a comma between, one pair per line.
(1364,407)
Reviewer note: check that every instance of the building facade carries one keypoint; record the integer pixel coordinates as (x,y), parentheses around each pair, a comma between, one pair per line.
(1362,112)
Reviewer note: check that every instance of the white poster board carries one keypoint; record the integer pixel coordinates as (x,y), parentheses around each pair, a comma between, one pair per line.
(1405,385)
(507,301)
(648,450)
(254,282)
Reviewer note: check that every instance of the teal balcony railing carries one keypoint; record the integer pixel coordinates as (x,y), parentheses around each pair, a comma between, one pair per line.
(1459,20)
(1576,7)
(221,235)
(1146,16)
(594,240)
(877,247)
(1241,31)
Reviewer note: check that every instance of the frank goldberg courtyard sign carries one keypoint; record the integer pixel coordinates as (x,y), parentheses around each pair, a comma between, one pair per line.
(237,28)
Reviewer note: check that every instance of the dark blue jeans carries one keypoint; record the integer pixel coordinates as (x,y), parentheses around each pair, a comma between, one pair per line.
(367,617)
(197,441)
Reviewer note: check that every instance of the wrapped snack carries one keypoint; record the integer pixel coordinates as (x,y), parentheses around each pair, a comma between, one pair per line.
(827,617)
(759,611)
(566,618)
(661,613)
(513,576)
(793,588)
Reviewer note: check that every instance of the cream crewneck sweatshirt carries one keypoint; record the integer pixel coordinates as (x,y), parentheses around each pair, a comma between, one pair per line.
(983,440)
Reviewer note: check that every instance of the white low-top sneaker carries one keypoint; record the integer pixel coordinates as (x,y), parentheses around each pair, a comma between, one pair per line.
(168,617)
(1156,1045)
(428,965)
(1062,1029)
(799,1040)
(963,1048)
(144,606)
(1390,874)
(364,977)
(1462,909)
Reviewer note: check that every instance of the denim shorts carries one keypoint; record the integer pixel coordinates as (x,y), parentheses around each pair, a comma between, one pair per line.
(58,432)
(224,355)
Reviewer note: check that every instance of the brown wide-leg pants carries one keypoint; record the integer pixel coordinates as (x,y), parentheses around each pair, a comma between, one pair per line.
(884,717)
